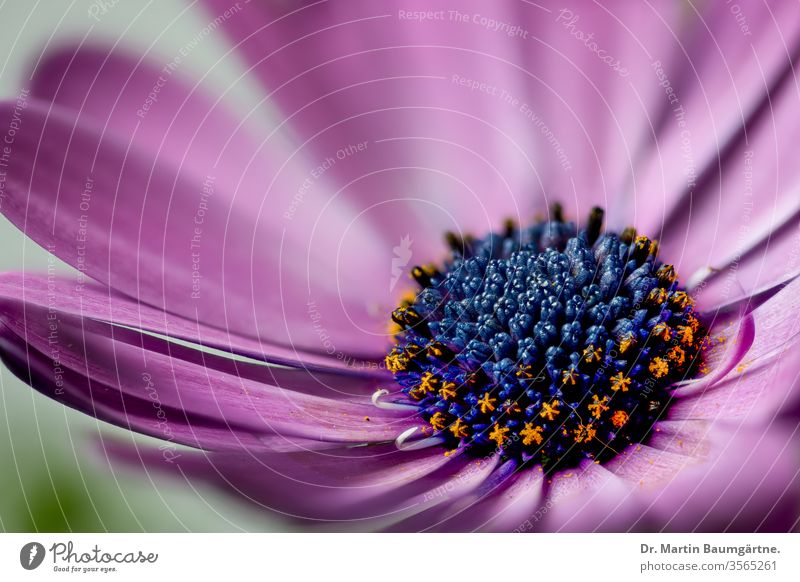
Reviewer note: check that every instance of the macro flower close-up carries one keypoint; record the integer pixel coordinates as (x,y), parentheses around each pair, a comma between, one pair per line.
(424,266)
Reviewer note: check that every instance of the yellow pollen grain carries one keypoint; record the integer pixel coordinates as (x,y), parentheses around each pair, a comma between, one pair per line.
(619,418)
(677,355)
(550,411)
(531,434)
(598,407)
(657,295)
(644,243)
(486,404)
(437,421)
(459,429)
(447,391)
(685,334)
(396,362)
(584,433)
(498,435)
(620,382)
(662,330)
(667,273)
(625,342)
(682,299)
(568,376)
(659,367)
(428,382)
(435,351)
(693,323)
(592,354)
(525,372)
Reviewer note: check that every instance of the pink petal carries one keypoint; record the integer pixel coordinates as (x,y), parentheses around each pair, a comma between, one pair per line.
(439,507)
(727,81)
(764,376)
(754,391)
(88,299)
(588,498)
(513,507)
(368,71)
(128,220)
(199,402)
(750,483)
(357,487)
(648,468)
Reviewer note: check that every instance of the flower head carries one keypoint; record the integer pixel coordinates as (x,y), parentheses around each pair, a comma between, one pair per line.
(541,297)
(239,266)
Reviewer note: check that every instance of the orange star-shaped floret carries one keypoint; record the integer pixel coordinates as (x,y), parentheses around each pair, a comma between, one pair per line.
(486,404)
(598,406)
(619,418)
(550,411)
(659,367)
(584,433)
(498,434)
(437,421)
(447,391)
(592,354)
(620,382)
(459,429)
(531,434)
(569,376)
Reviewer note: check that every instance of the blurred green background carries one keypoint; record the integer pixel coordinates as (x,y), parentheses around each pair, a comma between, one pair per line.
(52,476)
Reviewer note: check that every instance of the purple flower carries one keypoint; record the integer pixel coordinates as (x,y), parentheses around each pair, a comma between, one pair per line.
(238,259)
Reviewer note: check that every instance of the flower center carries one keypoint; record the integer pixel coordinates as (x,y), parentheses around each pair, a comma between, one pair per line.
(548,344)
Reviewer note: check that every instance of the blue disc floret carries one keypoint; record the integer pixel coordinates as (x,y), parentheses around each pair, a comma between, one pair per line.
(550,344)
